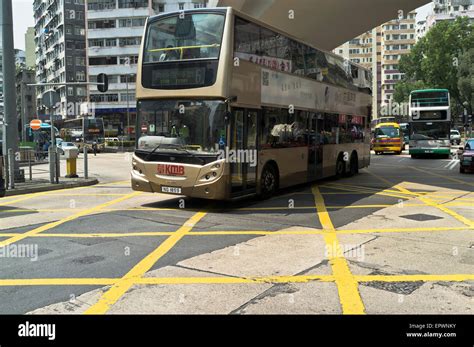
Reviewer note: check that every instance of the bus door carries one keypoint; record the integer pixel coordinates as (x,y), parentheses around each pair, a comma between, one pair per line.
(243,151)
(315,147)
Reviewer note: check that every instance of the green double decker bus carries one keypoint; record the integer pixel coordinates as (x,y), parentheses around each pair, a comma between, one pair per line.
(430,123)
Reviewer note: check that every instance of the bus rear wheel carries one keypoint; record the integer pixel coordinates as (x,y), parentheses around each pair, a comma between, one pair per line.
(269,182)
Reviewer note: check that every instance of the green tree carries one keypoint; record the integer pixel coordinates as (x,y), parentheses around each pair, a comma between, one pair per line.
(466,78)
(434,60)
(404,88)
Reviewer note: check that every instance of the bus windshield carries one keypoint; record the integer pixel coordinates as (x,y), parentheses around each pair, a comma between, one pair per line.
(195,126)
(184,37)
(390,132)
(430,131)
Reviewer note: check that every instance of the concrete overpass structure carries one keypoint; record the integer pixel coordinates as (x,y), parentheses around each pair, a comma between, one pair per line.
(324,23)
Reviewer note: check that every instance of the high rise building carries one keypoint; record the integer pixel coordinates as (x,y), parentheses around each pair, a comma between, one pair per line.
(30,47)
(25,97)
(451,6)
(114,31)
(445,10)
(398,38)
(380,51)
(60,52)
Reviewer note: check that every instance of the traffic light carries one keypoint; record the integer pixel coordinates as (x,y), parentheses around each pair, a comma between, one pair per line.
(103,81)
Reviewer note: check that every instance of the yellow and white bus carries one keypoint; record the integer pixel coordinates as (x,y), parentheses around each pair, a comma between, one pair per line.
(229,107)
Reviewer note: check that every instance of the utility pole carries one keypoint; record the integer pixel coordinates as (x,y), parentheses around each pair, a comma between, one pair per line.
(10,133)
(128,110)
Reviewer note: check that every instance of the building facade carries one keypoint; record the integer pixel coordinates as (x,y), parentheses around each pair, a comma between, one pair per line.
(25,98)
(380,50)
(114,31)
(446,10)
(30,47)
(60,53)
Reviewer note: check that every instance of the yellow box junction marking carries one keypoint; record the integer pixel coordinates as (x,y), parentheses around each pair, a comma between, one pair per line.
(126,282)
(427,201)
(65,220)
(347,286)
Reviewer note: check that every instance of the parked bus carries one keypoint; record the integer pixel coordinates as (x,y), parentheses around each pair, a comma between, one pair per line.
(430,123)
(229,107)
(388,137)
(72,131)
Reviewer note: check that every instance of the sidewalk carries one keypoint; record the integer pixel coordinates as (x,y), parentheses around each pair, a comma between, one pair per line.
(43,185)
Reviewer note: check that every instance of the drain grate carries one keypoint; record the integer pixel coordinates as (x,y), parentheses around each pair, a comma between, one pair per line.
(421,217)
(404,288)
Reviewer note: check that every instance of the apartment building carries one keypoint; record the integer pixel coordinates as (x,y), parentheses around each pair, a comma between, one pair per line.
(25,97)
(114,31)
(380,50)
(30,47)
(398,38)
(60,53)
(445,10)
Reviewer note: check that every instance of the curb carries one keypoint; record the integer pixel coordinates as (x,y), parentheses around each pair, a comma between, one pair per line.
(51,187)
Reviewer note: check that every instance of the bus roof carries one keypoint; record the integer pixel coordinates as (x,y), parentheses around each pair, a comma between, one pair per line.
(254,20)
(430,90)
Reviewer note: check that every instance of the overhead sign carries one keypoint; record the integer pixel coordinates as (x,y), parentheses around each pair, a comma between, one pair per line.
(35,124)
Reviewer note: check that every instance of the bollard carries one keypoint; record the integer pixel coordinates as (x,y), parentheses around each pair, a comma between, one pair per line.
(57,162)
(52,164)
(11,168)
(6,173)
(86,168)
(30,168)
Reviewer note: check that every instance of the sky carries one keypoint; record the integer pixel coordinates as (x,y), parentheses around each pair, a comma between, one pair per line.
(23,18)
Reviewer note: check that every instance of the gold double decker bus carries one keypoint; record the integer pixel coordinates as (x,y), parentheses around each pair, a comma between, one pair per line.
(229,107)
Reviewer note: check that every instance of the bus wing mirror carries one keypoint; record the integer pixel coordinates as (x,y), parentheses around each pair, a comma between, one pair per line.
(228,116)
(103,82)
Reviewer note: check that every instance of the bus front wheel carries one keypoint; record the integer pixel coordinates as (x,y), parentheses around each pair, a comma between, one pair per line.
(269,181)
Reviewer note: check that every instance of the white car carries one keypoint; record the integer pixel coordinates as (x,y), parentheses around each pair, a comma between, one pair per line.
(66,145)
(455,137)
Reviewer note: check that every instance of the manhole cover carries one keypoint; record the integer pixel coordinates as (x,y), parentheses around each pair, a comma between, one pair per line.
(404,288)
(420,217)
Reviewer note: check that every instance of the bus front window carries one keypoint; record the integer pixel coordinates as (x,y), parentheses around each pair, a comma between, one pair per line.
(430,131)
(188,37)
(193,126)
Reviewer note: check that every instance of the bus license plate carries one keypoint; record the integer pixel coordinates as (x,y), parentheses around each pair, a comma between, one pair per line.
(172,190)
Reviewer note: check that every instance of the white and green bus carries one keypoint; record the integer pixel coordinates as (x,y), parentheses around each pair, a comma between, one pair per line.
(430,123)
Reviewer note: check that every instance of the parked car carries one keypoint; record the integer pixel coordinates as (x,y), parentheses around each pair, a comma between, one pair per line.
(466,156)
(66,145)
(455,137)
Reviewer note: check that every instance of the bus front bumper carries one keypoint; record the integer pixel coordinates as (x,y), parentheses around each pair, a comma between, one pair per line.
(152,183)
(436,151)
